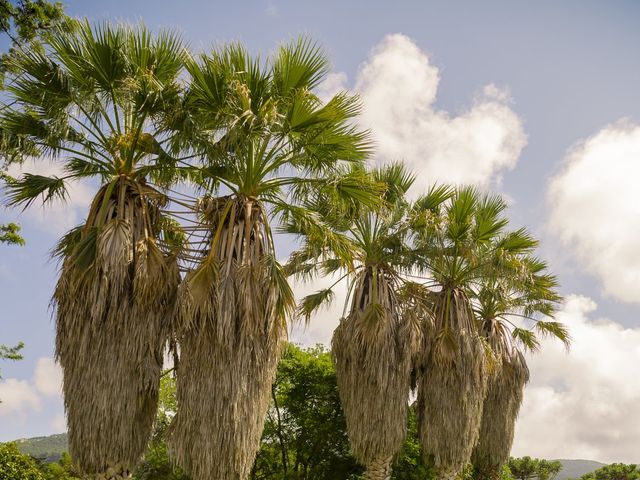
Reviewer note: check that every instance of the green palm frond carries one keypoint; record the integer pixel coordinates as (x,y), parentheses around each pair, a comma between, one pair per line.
(298,64)
(25,190)
(311,303)
(554,329)
(527,338)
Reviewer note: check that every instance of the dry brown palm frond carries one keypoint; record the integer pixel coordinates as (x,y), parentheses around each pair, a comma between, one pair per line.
(500,411)
(452,383)
(233,307)
(372,350)
(115,292)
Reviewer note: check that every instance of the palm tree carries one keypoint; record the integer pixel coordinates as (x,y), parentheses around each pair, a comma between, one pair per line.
(458,248)
(528,291)
(93,101)
(373,345)
(273,154)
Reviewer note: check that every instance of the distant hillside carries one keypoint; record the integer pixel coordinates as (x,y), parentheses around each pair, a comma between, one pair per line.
(50,447)
(577,468)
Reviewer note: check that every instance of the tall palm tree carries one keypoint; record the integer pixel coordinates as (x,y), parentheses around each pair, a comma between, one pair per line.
(273,153)
(373,345)
(528,291)
(93,101)
(458,248)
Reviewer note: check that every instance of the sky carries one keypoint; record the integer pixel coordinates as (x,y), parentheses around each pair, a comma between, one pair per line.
(539,101)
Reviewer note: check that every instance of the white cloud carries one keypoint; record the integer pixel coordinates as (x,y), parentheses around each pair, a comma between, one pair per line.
(59,423)
(18,397)
(24,396)
(583,404)
(399,85)
(58,216)
(48,377)
(595,207)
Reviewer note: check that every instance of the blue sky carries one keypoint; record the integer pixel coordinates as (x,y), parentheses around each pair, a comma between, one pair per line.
(543,94)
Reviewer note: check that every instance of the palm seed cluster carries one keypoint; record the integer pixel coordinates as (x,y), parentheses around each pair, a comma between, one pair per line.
(198,161)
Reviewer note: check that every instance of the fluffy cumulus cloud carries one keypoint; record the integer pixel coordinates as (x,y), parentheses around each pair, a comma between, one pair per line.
(59,423)
(584,403)
(595,207)
(60,215)
(48,377)
(24,396)
(18,397)
(399,85)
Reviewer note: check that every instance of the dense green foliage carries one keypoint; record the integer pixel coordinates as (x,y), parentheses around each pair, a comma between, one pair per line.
(23,21)
(10,353)
(615,471)
(304,435)
(63,469)
(527,468)
(9,233)
(15,465)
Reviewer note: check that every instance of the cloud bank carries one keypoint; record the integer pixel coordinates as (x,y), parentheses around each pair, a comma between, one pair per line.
(583,404)
(595,208)
(20,399)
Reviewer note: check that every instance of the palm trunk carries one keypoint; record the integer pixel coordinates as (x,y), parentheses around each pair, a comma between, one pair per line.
(372,350)
(234,311)
(501,407)
(445,474)
(115,290)
(379,469)
(452,384)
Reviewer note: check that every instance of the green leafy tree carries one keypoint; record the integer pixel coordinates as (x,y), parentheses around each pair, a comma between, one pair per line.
(304,435)
(63,469)
(23,22)
(10,353)
(615,471)
(15,465)
(527,468)
(9,233)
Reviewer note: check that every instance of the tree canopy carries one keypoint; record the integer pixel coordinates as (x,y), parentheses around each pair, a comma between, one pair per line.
(615,471)
(527,468)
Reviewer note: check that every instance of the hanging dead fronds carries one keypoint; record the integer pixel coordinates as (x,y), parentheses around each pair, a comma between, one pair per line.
(501,407)
(233,307)
(372,350)
(112,300)
(452,383)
